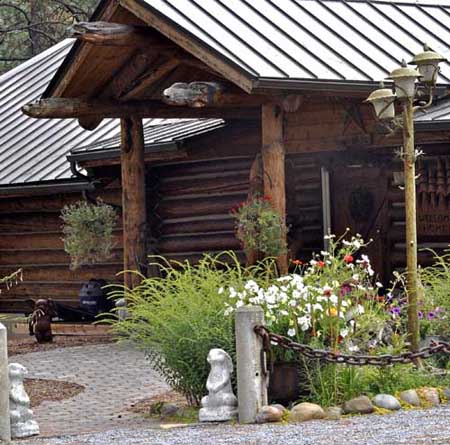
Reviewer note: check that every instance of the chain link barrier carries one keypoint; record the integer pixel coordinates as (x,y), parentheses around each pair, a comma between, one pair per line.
(269,339)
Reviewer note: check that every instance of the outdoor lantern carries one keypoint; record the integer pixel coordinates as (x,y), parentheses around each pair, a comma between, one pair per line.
(383,102)
(404,79)
(427,64)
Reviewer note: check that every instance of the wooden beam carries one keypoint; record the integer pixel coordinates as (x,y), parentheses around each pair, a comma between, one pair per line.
(110,10)
(228,70)
(117,34)
(273,156)
(142,83)
(64,108)
(133,199)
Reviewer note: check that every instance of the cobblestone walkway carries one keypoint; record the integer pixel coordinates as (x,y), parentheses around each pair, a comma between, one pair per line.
(113,376)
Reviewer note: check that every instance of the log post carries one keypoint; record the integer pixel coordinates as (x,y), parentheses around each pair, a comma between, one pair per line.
(133,198)
(273,156)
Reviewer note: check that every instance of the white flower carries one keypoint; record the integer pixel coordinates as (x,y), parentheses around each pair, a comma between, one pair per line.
(355,277)
(353,348)
(291,332)
(370,271)
(233,293)
(324,253)
(344,332)
(251,286)
(378,284)
(220,291)
(313,262)
(360,309)
(304,322)
(239,303)
(283,312)
(317,307)
(356,244)
(334,299)
(292,303)
(228,311)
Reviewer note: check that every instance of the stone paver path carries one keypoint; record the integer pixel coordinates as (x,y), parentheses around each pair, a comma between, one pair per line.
(113,376)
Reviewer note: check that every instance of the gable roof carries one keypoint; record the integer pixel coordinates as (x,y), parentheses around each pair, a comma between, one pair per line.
(35,150)
(313,40)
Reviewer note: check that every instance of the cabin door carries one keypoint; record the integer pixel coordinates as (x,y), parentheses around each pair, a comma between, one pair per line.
(359,202)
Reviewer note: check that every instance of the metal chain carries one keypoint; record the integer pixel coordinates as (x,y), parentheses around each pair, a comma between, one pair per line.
(269,338)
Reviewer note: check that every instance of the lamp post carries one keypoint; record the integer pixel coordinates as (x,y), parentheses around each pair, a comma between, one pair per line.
(384,104)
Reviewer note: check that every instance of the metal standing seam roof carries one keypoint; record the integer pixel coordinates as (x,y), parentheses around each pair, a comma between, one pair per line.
(33,150)
(436,117)
(314,40)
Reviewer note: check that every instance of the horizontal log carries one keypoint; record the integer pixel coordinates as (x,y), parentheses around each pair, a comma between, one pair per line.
(197,206)
(66,108)
(207,167)
(18,257)
(198,242)
(195,257)
(192,226)
(118,34)
(40,240)
(233,183)
(47,272)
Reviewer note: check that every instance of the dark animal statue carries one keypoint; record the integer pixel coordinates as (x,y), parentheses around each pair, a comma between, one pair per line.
(40,321)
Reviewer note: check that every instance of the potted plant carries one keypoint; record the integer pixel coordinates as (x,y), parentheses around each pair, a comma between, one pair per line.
(88,232)
(259,227)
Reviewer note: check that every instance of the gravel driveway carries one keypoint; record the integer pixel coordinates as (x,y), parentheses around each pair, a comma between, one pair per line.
(421,427)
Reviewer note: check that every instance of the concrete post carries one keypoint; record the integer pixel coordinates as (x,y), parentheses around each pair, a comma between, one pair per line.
(251,384)
(5,423)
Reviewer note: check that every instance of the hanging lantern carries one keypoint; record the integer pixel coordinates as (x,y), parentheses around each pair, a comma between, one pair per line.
(427,63)
(383,102)
(404,79)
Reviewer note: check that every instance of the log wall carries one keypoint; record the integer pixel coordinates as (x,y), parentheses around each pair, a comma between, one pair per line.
(31,238)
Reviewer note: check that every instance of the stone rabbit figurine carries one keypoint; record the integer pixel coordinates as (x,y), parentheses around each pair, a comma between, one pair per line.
(220,405)
(22,423)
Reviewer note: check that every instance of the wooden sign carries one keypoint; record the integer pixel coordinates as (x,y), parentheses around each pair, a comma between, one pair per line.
(433,222)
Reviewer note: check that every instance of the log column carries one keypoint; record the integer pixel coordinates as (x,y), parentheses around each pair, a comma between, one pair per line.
(133,198)
(273,156)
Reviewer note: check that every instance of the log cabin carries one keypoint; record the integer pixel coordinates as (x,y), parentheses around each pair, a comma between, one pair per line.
(37,180)
(289,78)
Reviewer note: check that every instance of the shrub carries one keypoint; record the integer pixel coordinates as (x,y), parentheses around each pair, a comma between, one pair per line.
(88,232)
(177,319)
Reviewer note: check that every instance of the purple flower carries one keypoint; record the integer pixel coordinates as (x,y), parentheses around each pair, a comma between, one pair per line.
(431,315)
(420,315)
(395,310)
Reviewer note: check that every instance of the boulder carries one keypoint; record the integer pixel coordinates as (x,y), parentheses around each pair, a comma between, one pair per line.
(410,397)
(358,405)
(386,401)
(269,414)
(306,411)
(169,410)
(333,413)
(430,395)
(280,407)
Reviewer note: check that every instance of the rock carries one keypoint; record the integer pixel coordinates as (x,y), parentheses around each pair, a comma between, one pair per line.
(358,405)
(410,397)
(22,422)
(306,411)
(279,406)
(169,409)
(446,394)
(333,413)
(431,395)
(269,414)
(220,405)
(386,401)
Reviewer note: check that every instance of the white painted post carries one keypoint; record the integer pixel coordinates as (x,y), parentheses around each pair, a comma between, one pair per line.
(5,423)
(251,383)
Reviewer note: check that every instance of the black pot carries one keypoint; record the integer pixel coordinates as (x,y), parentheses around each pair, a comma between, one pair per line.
(284,383)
